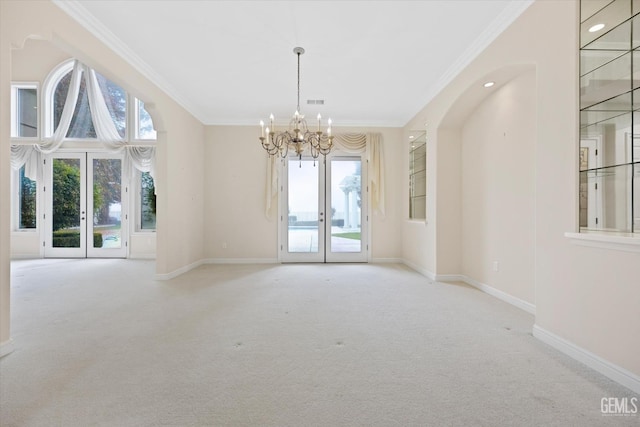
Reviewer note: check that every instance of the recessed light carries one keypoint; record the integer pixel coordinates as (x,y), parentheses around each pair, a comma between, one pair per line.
(596,27)
(489,84)
(411,137)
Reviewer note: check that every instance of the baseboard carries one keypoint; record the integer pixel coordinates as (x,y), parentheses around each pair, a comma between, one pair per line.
(521,304)
(428,274)
(178,272)
(608,369)
(17,257)
(240,261)
(386,261)
(449,278)
(6,348)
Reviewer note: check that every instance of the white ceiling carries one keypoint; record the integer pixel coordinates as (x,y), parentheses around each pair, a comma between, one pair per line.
(375,63)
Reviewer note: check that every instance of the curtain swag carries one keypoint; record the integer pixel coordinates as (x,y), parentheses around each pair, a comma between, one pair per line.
(142,158)
(349,143)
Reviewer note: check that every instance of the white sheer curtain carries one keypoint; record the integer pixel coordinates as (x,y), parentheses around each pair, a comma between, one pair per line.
(350,143)
(142,158)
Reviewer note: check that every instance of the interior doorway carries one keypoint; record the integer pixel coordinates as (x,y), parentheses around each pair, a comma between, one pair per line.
(324,209)
(85,208)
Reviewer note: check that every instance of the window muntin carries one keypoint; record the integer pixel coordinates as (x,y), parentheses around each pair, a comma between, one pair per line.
(24,110)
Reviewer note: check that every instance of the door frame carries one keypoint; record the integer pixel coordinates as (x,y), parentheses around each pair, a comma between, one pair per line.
(86,249)
(324,206)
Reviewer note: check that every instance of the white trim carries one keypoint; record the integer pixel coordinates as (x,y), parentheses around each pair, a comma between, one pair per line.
(6,347)
(178,272)
(606,368)
(74,9)
(428,274)
(449,278)
(241,261)
(626,243)
(501,295)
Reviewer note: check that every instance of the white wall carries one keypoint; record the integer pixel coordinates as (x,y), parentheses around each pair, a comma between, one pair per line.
(235,203)
(587,296)
(498,189)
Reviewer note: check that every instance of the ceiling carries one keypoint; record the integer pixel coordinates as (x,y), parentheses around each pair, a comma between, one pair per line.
(374,63)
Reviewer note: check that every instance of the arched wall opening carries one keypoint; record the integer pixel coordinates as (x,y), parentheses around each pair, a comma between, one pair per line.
(486,183)
(43,62)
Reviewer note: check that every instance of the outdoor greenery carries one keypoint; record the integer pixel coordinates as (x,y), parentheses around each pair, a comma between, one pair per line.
(148,202)
(28,190)
(66,193)
(71,239)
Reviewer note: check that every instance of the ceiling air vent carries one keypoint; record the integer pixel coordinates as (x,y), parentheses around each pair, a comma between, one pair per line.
(315,101)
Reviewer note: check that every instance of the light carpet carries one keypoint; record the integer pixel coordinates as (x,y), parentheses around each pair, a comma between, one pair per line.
(101,343)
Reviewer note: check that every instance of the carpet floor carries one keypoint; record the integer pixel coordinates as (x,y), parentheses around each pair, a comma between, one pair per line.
(101,343)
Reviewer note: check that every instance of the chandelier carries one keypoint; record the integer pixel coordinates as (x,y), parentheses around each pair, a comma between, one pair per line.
(298,137)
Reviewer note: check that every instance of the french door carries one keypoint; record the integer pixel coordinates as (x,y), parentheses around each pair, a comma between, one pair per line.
(85,211)
(324,210)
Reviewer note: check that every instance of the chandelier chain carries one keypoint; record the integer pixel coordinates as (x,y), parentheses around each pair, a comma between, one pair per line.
(298,80)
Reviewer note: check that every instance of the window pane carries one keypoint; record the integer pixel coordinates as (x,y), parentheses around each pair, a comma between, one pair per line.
(605,195)
(303,207)
(27,112)
(116,100)
(346,204)
(107,203)
(27,202)
(66,203)
(147,202)
(145,123)
(82,124)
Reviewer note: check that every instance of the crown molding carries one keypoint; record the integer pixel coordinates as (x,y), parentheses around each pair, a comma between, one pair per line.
(497,26)
(75,10)
(342,124)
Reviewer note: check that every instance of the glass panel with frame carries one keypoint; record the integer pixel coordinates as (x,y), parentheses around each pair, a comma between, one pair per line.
(144,123)
(303,229)
(24,111)
(609,118)
(106,227)
(81,126)
(147,203)
(346,205)
(418,175)
(27,202)
(67,203)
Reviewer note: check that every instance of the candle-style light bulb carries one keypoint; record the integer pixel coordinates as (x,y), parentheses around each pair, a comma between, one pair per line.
(267,131)
(262,128)
(319,117)
(329,130)
(272,126)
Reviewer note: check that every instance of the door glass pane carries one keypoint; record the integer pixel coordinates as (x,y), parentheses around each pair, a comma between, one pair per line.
(303,206)
(346,202)
(27,191)
(66,203)
(107,203)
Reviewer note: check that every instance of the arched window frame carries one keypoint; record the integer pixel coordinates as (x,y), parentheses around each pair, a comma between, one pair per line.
(51,83)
